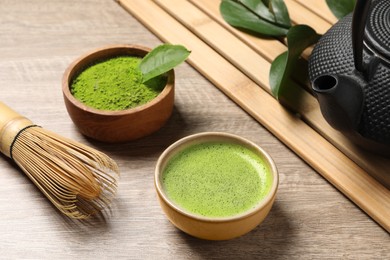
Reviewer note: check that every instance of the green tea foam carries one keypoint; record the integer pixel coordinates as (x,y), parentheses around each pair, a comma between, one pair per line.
(216,179)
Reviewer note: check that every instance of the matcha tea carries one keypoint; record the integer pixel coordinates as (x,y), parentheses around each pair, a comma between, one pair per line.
(115,84)
(216,179)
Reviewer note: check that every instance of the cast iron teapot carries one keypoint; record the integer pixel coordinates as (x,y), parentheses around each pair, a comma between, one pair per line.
(349,70)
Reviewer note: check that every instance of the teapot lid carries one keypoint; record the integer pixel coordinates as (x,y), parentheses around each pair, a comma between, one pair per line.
(378,29)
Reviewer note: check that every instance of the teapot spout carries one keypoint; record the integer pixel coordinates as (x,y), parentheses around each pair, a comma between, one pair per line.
(341,100)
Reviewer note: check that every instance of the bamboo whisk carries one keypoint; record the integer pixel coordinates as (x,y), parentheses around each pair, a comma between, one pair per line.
(77,179)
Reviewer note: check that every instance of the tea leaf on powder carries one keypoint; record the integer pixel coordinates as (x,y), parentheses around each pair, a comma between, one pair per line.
(162,59)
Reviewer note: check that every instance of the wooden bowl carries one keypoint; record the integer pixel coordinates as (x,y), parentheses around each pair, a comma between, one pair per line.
(211,228)
(120,125)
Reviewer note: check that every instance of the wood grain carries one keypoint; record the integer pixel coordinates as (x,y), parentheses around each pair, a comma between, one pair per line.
(39,39)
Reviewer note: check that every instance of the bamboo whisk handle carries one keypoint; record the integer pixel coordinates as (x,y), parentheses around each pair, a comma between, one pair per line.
(11,123)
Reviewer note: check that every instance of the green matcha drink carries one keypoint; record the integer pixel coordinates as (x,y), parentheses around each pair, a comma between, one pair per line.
(216,179)
(115,84)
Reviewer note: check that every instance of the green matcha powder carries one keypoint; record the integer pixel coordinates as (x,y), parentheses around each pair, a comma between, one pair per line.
(115,84)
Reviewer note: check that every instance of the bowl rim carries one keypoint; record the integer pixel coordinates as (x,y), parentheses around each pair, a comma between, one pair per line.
(175,147)
(71,70)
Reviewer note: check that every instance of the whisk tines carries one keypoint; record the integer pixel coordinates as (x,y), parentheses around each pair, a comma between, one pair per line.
(80,181)
(77,179)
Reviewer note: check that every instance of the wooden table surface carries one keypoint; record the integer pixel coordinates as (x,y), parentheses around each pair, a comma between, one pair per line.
(38,40)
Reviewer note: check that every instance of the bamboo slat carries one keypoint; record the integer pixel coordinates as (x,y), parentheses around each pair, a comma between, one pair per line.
(215,35)
(320,8)
(229,46)
(300,15)
(338,169)
(268,48)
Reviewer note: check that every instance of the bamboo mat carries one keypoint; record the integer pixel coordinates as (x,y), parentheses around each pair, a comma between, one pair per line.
(238,64)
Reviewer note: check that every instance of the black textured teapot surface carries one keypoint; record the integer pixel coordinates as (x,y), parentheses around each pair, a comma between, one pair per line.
(349,70)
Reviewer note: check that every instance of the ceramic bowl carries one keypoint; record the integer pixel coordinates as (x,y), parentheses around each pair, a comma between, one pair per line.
(120,125)
(207,227)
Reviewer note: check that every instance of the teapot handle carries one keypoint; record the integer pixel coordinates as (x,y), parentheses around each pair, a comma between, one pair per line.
(359,20)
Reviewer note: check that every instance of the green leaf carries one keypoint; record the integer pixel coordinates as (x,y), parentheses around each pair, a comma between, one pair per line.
(266,2)
(278,67)
(279,9)
(341,8)
(259,8)
(277,71)
(162,59)
(239,16)
(299,38)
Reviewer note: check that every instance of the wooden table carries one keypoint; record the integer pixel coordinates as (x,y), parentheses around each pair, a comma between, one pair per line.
(38,39)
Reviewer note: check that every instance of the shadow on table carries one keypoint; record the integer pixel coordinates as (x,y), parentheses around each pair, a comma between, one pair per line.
(270,240)
(152,145)
(148,147)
